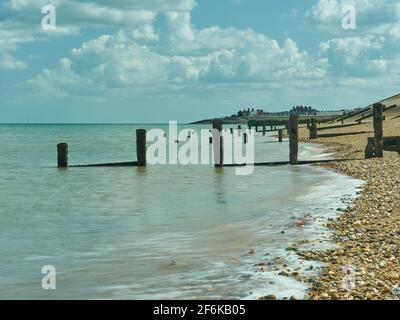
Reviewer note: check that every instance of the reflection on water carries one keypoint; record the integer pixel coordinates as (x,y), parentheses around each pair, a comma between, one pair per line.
(148,233)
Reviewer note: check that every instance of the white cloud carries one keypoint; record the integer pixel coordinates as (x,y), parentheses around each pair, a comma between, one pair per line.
(20,20)
(159,50)
(373,16)
(189,57)
(7,61)
(349,50)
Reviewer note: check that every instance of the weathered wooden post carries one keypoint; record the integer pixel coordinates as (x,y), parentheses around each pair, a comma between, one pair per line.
(264,129)
(245,138)
(219,143)
(62,155)
(294,137)
(280,135)
(141,147)
(313,134)
(378,129)
(370,149)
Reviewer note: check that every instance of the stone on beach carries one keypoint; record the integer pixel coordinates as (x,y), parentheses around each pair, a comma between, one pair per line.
(366,262)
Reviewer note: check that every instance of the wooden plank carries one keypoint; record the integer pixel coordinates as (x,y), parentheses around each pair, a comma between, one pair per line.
(284,163)
(378,129)
(115,164)
(219,143)
(372,113)
(293,138)
(141,147)
(352,114)
(338,126)
(313,131)
(332,135)
(62,155)
(389,144)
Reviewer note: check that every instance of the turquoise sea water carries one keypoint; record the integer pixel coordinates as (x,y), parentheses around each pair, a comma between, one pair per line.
(161,232)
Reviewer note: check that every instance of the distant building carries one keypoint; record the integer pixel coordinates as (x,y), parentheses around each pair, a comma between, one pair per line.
(303,110)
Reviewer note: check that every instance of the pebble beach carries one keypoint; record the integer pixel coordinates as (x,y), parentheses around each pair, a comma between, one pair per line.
(365,263)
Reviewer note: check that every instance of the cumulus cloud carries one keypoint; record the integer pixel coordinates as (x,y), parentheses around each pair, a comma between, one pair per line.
(158,49)
(7,61)
(370,50)
(373,16)
(24,17)
(356,56)
(96,13)
(182,56)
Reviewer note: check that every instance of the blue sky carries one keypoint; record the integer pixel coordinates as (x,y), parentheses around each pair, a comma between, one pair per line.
(158,60)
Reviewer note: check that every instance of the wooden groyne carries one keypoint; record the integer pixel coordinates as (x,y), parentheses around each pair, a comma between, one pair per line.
(374,148)
(218,148)
(371,114)
(62,155)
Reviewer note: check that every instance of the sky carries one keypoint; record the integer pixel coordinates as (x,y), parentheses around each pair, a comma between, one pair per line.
(152,61)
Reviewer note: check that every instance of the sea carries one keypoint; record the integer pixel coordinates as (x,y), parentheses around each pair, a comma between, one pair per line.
(160,232)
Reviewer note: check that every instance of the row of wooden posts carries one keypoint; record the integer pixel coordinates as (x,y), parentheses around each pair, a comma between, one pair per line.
(293,132)
(62,148)
(375,145)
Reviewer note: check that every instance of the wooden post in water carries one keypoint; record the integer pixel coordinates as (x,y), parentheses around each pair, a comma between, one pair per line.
(62,155)
(264,129)
(280,135)
(313,129)
(378,129)
(294,137)
(245,138)
(219,143)
(141,147)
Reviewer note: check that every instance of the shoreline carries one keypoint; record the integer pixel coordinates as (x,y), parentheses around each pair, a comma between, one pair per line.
(332,195)
(364,265)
